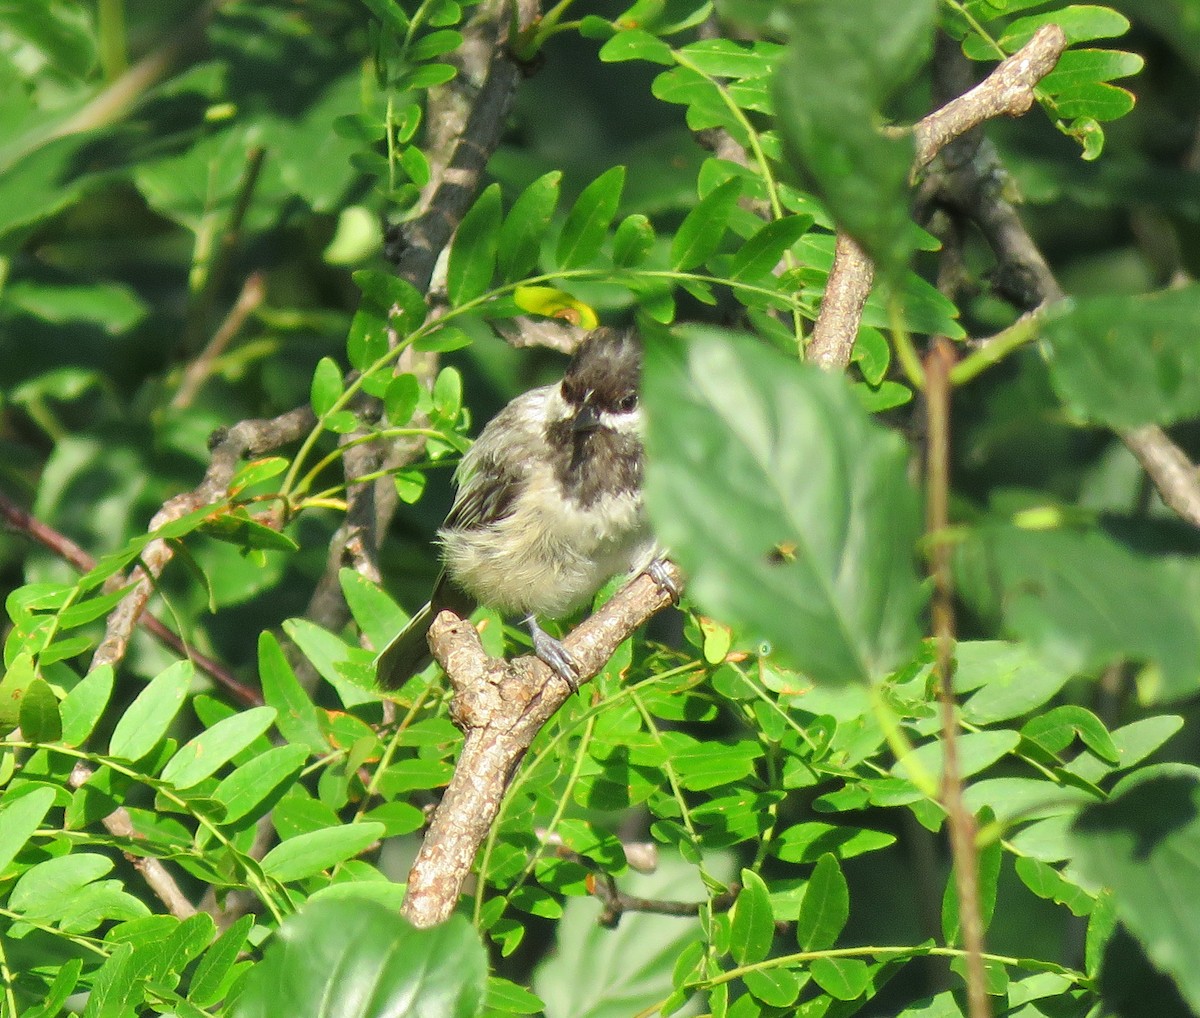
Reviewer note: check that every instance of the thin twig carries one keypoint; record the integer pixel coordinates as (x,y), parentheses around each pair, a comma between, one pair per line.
(961,821)
(229,447)
(119,824)
(199,370)
(70,552)
(219,261)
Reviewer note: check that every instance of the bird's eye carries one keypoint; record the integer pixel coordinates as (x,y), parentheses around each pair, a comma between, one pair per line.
(629,402)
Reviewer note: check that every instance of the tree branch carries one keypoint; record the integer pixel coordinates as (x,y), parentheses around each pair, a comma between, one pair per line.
(120,825)
(1007,91)
(501,706)
(229,447)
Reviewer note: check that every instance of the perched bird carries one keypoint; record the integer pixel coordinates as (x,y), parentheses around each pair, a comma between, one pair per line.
(549,506)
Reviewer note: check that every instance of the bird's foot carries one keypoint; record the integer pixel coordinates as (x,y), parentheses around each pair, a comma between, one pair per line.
(657,571)
(551,651)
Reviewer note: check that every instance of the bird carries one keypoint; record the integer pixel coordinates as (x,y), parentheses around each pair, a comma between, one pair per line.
(548,507)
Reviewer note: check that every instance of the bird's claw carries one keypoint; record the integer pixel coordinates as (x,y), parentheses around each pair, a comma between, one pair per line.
(552,652)
(657,571)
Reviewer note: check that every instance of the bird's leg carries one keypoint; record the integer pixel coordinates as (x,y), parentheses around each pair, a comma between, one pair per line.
(657,571)
(554,654)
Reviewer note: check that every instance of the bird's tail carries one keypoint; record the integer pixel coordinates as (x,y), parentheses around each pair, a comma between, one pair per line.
(408,652)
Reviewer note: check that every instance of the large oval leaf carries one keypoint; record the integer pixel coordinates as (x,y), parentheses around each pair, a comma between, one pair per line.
(357,959)
(786,505)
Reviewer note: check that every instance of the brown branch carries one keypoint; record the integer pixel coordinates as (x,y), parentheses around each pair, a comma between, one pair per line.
(937,521)
(199,370)
(253,437)
(120,825)
(73,554)
(846,293)
(617,902)
(1007,91)
(475,129)
(502,706)
(1173,474)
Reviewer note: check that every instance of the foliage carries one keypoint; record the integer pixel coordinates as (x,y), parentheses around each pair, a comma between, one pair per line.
(192,221)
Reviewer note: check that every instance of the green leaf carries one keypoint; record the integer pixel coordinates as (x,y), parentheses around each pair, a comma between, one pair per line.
(59,991)
(326,386)
(587,223)
(390,14)
(377,615)
(207,983)
(1055,730)
(113,988)
(428,76)
(362,960)
(526,225)
(151,713)
(20,675)
(808,841)
(753,926)
(776,987)
(1045,582)
(401,399)
(825,907)
(836,75)
(987,867)
(254,783)
(84,705)
(759,256)
(19,819)
(702,765)
(308,854)
(841,978)
(296,716)
(808,541)
(633,241)
(1144,844)
(1080,23)
(348,669)
(701,231)
(216,746)
(634,44)
(1005,680)
(729,58)
(473,255)
(44,890)
(1047,882)
(40,718)
(1124,361)
(435,44)
(391,298)
(114,307)
(976,751)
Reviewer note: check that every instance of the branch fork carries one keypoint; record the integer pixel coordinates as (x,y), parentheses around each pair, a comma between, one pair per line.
(501,706)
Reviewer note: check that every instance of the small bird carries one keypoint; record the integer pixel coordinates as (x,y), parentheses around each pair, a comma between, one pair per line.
(549,507)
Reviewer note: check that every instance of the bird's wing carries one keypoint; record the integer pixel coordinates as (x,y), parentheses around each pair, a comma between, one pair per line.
(498,465)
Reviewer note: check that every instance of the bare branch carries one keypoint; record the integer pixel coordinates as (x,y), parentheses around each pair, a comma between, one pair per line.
(253,437)
(1007,91)
(1168,467)
(70,552)
(846,293)
(198,371)
(502,706)
(120,825)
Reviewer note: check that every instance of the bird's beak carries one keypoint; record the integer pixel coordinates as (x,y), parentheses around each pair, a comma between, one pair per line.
(587,419)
